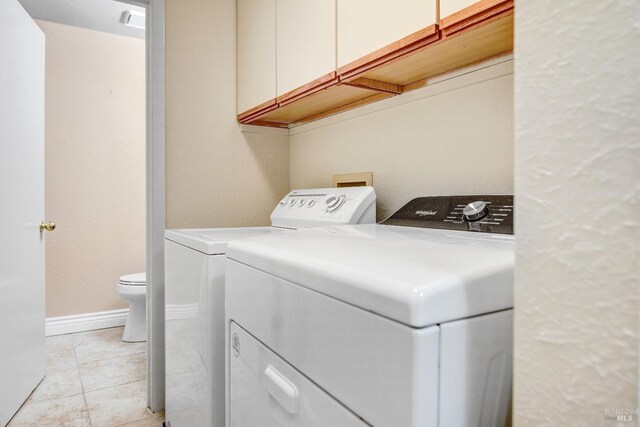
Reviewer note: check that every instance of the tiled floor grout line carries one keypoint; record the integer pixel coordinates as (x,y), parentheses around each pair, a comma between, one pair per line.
(112,357)
(84,396)
(112,386)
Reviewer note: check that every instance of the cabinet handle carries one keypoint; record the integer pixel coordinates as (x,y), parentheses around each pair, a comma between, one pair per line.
(281,389)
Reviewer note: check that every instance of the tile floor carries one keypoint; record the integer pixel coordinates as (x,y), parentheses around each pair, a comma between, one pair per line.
(93,379)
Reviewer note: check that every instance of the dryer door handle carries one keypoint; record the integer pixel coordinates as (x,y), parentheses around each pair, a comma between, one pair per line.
(281,389)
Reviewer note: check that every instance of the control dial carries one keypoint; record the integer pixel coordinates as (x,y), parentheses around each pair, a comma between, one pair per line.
(475,211)
(334,202)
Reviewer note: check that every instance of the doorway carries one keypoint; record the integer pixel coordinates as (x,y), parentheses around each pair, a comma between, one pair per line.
(153,156)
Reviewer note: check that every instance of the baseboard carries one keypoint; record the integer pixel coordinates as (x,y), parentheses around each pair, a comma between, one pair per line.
(85,322)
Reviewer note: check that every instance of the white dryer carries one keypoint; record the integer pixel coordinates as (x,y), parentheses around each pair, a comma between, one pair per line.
(402,324)
(194,296)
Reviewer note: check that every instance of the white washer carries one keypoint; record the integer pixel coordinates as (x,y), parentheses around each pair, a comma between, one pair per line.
(194,296)
(406,324)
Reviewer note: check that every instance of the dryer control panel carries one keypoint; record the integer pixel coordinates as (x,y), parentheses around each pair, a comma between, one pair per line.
(325,206)
(485,214)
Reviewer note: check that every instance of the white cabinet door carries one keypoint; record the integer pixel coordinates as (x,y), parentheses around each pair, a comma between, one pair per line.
(365,26)
(449,7)
(306,42)
(22,352)
(256,53)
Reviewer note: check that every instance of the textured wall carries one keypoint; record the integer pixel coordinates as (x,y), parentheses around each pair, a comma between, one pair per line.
(216,176)
(577,188)
(95,160)
(455,137)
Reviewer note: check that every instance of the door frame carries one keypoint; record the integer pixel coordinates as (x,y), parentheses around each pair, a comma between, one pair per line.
(155,203)
(155,198)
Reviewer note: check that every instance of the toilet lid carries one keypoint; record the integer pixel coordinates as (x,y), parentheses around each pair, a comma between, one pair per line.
(136,279)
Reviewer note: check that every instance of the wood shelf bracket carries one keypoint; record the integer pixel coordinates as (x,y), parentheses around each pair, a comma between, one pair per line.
(376,85)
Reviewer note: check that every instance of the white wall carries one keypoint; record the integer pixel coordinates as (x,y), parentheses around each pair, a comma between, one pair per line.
(577,135)
(216,176)
(452,137)
(95,166)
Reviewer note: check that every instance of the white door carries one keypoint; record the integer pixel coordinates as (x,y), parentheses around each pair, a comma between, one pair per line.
(22,352)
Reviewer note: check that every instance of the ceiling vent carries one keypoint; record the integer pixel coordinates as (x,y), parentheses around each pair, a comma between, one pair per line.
(134,19)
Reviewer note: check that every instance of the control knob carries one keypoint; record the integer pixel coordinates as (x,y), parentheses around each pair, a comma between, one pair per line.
(334,202)
(475,211)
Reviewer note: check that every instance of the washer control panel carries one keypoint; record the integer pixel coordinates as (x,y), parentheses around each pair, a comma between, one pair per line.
(330,206)
(486,214)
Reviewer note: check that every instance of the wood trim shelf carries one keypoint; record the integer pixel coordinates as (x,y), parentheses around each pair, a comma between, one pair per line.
(479,32)
(388,53)
(345,107)
(474,14)
(308,89)
(267,123)
(255,112)
(319,104)
(476,43)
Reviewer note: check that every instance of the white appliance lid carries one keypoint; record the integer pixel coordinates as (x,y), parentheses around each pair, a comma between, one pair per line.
(214,241)
(415,276)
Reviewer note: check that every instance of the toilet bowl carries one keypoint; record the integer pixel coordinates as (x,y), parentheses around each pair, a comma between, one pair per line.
(133,288)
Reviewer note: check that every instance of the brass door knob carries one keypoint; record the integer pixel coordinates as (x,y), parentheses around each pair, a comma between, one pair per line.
(49,226)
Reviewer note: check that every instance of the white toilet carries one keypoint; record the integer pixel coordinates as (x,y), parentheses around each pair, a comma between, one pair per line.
(133,288)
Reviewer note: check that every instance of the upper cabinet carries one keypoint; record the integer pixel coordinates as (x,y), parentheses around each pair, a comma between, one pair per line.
(301,60)
(306,41)
(256,53)
(365,26)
